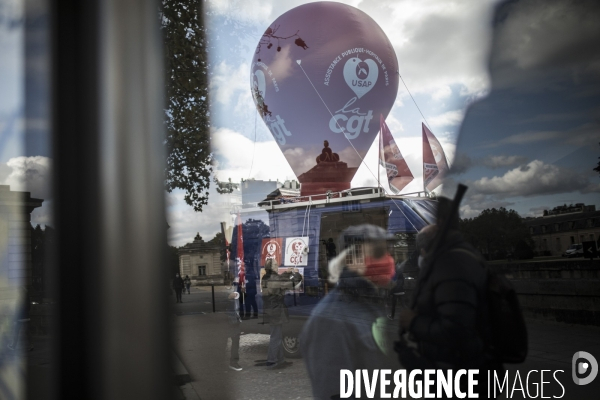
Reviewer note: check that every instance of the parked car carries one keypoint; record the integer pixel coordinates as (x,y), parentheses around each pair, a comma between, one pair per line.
(576,250)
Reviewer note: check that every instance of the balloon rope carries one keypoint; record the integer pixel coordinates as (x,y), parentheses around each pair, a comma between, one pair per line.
(337,123)
(357,153)
(413,99)
(254,148)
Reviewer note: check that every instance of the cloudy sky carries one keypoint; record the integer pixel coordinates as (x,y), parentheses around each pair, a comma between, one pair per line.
(527,117)
(532,143)
(442,50)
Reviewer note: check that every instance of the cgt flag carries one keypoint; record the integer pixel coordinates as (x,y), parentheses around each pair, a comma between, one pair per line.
(396,168)
(435,165)
(240,254)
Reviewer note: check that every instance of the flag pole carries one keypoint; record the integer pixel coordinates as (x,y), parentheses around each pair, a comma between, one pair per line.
(379,162)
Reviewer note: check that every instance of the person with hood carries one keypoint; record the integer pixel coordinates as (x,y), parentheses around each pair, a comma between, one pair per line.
(448,321)
(274,287)
(349,328)
(178,287)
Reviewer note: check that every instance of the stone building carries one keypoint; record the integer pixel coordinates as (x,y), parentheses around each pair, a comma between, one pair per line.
(15,235)
(201,260)
(559,228)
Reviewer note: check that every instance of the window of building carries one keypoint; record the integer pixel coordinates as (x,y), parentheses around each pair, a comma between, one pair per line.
(591,237)
(556,227)
(353,205)
(545,244)
(558,244)
(201,270)
(572,239)
(581,238)
(531,230)
(355,255)
(543,228)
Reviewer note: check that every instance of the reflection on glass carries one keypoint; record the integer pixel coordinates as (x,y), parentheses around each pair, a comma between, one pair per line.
(24,194)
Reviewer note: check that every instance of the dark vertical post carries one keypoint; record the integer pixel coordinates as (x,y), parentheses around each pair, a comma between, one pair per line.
(113,338)
(212,288)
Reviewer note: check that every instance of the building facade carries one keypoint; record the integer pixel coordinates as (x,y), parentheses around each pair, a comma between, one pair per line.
(201,260)
(559,228)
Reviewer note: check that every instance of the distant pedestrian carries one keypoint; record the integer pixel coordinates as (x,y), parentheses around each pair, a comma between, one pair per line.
(274,287)
(178,287)
(330,249)
(250,300)
(187,283)
(235,322)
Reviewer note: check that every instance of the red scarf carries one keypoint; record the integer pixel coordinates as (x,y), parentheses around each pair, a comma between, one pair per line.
(380,271)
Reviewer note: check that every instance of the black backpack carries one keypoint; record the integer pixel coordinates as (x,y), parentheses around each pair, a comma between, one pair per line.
(508,329)
(507,332)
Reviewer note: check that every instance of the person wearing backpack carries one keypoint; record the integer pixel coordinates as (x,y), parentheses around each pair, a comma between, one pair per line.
(449,320)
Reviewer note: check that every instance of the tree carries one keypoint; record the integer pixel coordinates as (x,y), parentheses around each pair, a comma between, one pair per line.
(187,114)
(173,260)
(498,233)
(219,240)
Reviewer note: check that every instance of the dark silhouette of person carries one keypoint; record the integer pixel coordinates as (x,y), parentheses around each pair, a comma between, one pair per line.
(251,296)
(327,155)
(330,249)
(178,287)
(449,319)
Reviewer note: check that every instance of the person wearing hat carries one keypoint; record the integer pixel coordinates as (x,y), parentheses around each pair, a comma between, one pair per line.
(349,328)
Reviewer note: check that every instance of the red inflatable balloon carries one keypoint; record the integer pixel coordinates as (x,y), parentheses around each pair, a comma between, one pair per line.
(322,75)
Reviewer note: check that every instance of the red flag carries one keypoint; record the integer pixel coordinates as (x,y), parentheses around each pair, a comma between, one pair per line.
(435,165)
(240,254)
(397,170)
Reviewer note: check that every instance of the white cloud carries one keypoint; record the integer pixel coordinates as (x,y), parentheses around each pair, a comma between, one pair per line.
(438,43)
(535,178)
(442,93)
(184,222)
(30,174)
(241,9)
(227,81)
(449,118)
(241,158)
(502,161)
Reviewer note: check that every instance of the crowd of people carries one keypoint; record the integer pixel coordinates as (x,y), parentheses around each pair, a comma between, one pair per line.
(445,327)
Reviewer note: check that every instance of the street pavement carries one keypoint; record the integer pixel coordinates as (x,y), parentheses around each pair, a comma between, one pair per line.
(551,347)
(202,346)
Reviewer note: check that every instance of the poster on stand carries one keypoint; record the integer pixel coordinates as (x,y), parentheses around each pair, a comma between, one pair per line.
(296,252)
